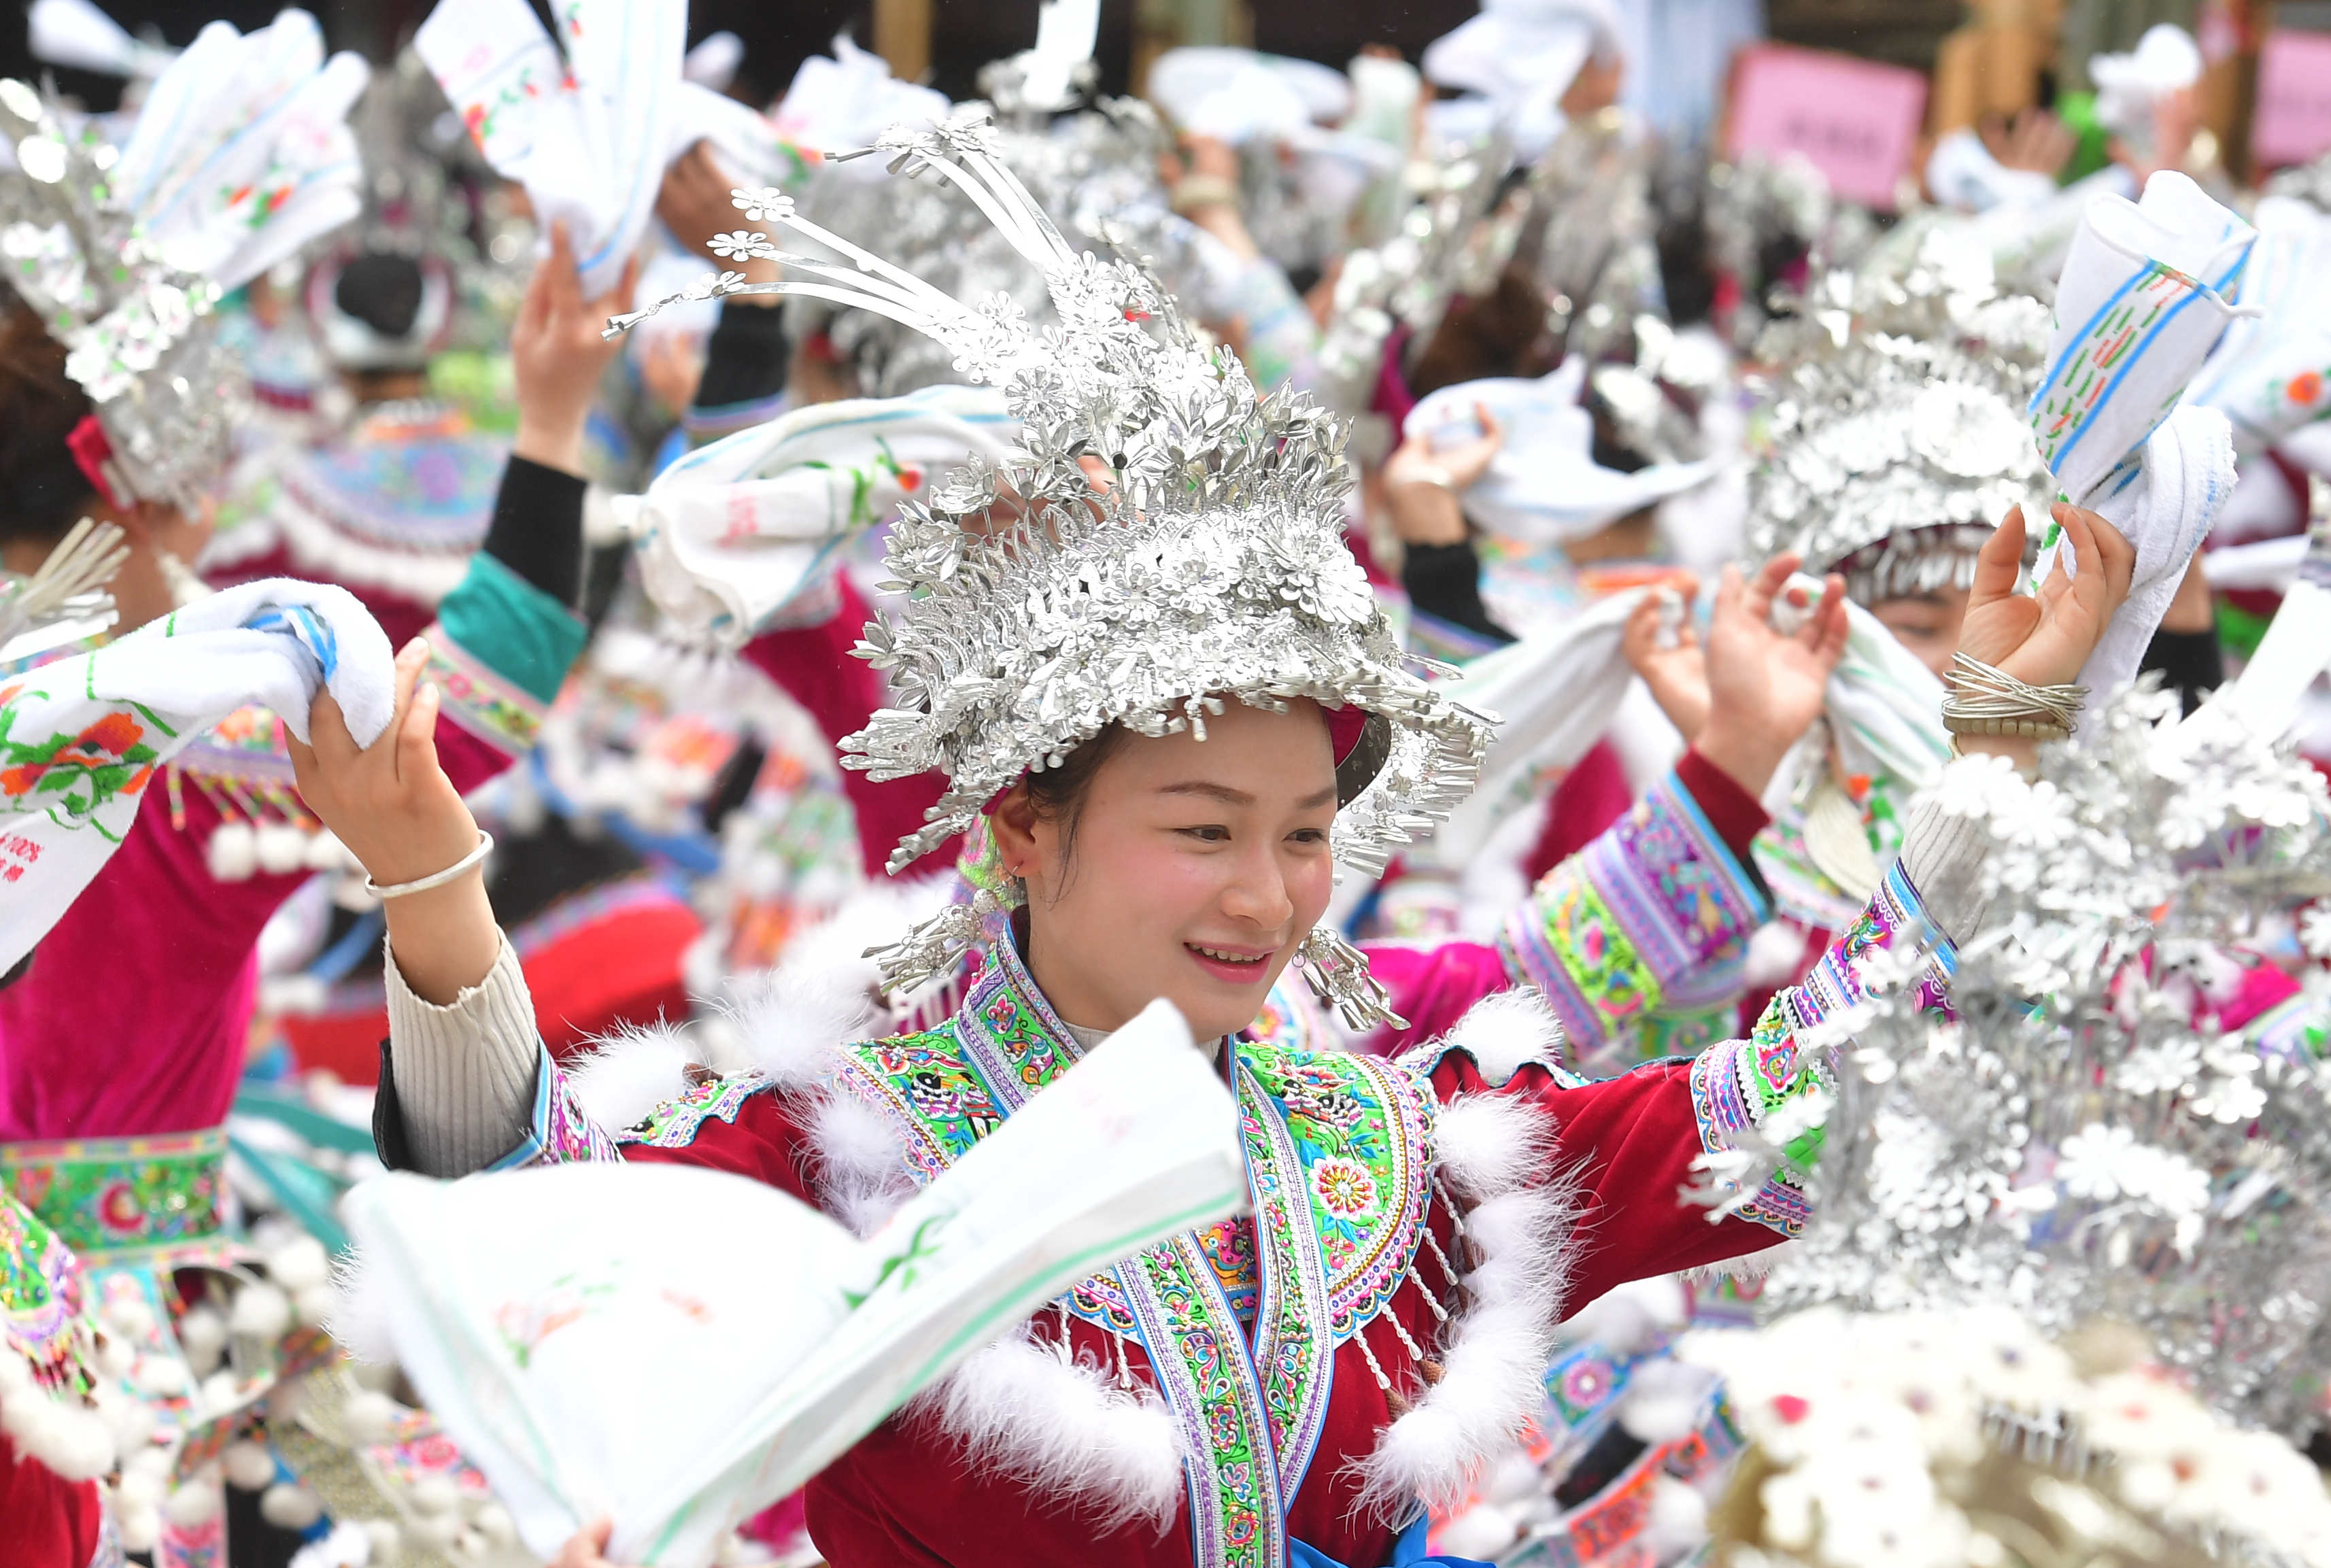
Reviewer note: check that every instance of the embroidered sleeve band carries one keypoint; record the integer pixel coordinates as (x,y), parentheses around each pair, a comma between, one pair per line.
(1745,1083)
(1645,925)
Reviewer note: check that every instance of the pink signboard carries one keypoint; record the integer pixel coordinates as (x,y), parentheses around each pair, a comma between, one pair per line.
(2293,120)
(1857,121)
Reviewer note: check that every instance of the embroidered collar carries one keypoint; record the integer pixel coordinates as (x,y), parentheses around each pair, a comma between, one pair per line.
(1339,1161)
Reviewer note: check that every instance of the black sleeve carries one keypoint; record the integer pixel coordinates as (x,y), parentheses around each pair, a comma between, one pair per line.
(1445,581)
(2188,661)
(388,1138)
(537,527)
(746,358)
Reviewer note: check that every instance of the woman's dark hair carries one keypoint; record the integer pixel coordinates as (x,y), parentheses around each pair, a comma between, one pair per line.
(1501,333)
(1058,794)
(43,491)
(382,290)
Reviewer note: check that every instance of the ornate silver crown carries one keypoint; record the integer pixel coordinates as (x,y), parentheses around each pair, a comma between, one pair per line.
(124,251)
(1895,434)
(164,392)
(1037,607)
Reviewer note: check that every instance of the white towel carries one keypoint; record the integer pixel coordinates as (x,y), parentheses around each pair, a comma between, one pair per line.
(849,98)
(732,535)
(2165,510)
(1555,691)
(242,153)
(82,739)
(1885,706)
(2147,290)
(589,132)
(2267,374)
(76,34)
(547,1347)
(1544,485)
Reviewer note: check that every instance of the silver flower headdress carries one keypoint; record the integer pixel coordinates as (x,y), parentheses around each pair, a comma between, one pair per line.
(240,156)
(2113,1126)
(1035,607)
(1093,172)
(1895,429)
(163,391)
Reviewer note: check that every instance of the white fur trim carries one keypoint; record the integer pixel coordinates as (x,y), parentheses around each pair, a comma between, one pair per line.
(862,1176)
(790,1021)
(358,1320)
(1030,1413)
(1748,1267)
(1505,1031)
(875,915)
(629,1072)
(1497,1349)
(1489,1144)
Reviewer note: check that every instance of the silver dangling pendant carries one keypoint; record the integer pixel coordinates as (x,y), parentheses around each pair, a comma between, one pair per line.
(1338,975)
(933,947)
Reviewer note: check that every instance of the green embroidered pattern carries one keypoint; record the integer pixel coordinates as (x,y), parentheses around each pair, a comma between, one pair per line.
(920,1084)
(1338,1151)
(1215,1399)
(1362,1130)
(1593,947)
(103,1195)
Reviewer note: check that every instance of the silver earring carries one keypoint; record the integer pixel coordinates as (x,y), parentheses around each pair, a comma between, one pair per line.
(1338,975)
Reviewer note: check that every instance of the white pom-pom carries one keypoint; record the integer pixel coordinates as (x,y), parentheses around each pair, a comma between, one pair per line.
(233,853)
(129,1316)
(87,1450)
(219,1391)
(139,1488)
(261,1312)
(193,1504)
(370,1416)
(314,1304)
(202,1334)
(386,1539)
(134,1424)
(437,1494)
(159,1376)
(1663,1403)
(438,1530)
(140,1528)
(1482,1531)
(494,1523)
(1517,1480)
(326,852)
(1678,1525)
(281,849)
(290,1508)
(25,1419)
(114,1356)
(250,1467)
(299,1264)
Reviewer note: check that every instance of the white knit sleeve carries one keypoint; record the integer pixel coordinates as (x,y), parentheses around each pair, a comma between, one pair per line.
(465,1072)
(1941,855)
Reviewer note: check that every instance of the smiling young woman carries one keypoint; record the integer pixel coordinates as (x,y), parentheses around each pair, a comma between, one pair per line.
(1176,704)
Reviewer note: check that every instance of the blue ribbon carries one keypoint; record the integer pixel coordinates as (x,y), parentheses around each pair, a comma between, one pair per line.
(1408,1551)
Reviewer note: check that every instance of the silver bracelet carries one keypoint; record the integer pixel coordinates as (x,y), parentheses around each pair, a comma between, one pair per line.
(435,879)
(1984,700)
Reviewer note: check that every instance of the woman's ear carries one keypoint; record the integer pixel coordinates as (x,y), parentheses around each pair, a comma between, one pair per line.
(1014,824)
